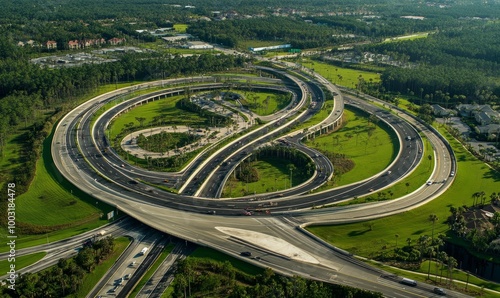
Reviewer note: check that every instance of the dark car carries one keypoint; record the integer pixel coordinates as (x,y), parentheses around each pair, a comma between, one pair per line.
(246,253)
(439,291)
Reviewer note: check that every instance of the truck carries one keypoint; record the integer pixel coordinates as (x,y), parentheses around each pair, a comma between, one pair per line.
(143,251)
(101,233)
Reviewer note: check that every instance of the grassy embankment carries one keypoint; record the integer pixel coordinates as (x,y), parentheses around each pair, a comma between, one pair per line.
(257,102)
(273,175)
(21,261)
(91,279)
(346,77)
(472,176)
(71,211)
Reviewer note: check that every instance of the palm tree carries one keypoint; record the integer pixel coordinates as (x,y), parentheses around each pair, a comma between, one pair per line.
(452,263)
(475,196)
(433,218)
(291,167)
(397,236)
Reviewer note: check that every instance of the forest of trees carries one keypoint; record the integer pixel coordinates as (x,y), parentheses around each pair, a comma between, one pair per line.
(66,277)
(453,66)
(200,278)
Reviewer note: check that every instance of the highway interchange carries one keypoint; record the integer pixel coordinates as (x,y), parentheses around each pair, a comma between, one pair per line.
(187,215)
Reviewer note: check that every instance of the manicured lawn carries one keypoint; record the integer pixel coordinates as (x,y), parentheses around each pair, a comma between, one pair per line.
(152,270)
(246,44)
(274,103)
(346,77)
(165,108)
(214,255)
(49,193)
(370,153)
(407,37)
(91,279)
(181,28)
(71,211)
(317,118)
(21,262)
(273,175)
(416,179)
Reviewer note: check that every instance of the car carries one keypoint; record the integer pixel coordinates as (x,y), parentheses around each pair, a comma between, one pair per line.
(246,253)
(440,291)
(389,172)
(127,276)
(371,189)
(122,166)
(132,264)
(428,183)
(452,173)
(211,212)
(409,282)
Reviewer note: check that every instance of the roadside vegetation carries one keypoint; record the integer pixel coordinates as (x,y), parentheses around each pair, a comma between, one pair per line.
(342,76)
(70,276)
(22,261)
(210,273)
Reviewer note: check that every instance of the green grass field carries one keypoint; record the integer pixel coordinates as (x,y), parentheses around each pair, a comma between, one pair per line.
(273,175)
(180,28)
(371,154)
(214,255)
(71,211)
(317,118)
(21,261)
(164,108)
(346,77)
(259,98)
(407,37)
(415,180)
(91,279)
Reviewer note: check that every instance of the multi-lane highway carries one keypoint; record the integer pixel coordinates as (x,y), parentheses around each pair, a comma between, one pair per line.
(166,212)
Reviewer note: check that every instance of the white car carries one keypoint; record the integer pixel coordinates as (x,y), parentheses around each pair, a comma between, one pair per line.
(429,183)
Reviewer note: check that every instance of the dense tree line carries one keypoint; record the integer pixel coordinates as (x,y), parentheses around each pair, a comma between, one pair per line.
(66,277)
(453,66)
(211,118)
(280,29)
(302,164)
(481,238)
(164,141)
(199,278)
